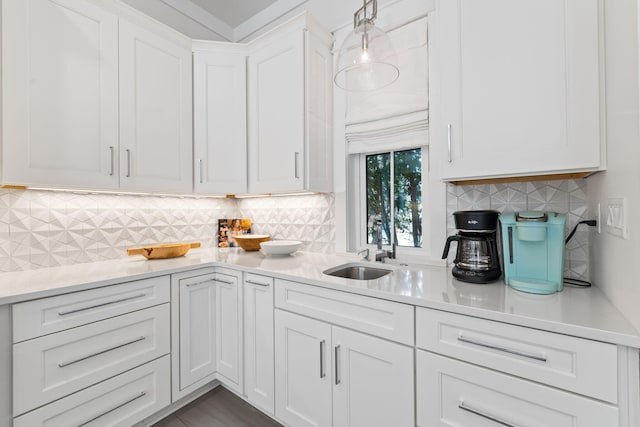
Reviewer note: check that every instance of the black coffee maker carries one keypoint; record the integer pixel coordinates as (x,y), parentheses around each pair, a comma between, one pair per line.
(477,256)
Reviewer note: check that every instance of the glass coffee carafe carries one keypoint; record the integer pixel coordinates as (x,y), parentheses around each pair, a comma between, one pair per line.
(476,259)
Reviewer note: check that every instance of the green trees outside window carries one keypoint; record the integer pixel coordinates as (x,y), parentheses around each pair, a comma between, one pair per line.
(405,190)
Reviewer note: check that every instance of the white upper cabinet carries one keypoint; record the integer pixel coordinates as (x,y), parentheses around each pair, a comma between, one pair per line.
(60,94)
(155,112)
(92,100)
(290,104)
(220,118)
(520,87)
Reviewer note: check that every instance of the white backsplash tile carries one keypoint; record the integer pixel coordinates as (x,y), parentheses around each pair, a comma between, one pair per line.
(563,196)
(308,218)
(48,228)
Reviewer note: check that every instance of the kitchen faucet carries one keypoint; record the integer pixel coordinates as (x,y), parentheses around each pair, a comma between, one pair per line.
(365,251)
(380,254)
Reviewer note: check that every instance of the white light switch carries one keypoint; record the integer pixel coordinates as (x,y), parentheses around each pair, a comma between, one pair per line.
(617,217)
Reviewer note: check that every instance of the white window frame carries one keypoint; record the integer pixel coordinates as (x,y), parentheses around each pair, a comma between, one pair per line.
(433,213)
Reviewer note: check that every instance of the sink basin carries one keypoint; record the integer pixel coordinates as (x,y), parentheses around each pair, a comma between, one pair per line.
(357,272)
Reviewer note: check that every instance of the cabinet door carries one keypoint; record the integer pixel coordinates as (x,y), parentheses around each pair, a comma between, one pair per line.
(197,329)
(155,112)
(258,341)
(219,122)
(60,100)
(453,393)
(517,100)
(303,370)
(229,330)
(373,381)
(277,114)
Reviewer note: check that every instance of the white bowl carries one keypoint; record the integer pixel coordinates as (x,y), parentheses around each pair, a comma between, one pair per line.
(280,247)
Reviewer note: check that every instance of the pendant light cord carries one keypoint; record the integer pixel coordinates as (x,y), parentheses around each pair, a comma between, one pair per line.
(577,283)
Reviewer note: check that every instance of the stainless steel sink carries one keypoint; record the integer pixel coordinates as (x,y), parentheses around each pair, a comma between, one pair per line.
(357,272)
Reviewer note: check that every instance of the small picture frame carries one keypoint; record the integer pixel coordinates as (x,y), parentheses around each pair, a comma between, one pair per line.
(228,228)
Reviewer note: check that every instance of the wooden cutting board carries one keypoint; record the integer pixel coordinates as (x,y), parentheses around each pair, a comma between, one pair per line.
(169,250)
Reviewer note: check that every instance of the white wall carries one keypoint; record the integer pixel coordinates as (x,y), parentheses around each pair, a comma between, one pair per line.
(613,259)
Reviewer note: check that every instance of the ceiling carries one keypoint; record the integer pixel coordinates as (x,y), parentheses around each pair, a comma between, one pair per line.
(222,20)
(234,12)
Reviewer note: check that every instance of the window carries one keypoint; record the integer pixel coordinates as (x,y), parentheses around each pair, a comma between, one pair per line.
(401,196)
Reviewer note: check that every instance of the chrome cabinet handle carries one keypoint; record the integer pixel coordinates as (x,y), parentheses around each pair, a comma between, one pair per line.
(113,409)
(228,282)
(297,159)
(112,154)
(201,178)
(449,142)
(253,282)
(322,372)
(65,313)
(538,357)
(128,175)
(198,283)
(485,415)
(80,359)
(336,355)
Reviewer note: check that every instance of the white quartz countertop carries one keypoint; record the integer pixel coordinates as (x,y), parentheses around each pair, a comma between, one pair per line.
(574,311)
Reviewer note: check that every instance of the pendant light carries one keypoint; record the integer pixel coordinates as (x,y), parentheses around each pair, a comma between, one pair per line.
(366,60)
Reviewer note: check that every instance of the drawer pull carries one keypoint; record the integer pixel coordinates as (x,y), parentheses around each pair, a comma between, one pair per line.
(142,394)
(336,355)
(252,282)
(64,313)
(71,362)
(322,373)
(228,282)
(485,415)
(533,356)
(198,283)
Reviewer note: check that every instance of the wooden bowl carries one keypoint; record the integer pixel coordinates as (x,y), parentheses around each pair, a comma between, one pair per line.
(251,242)
(170,250)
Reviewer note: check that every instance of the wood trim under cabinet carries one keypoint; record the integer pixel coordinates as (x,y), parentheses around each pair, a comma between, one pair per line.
(550,177)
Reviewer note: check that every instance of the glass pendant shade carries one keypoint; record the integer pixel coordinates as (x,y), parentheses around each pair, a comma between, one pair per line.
(366,60)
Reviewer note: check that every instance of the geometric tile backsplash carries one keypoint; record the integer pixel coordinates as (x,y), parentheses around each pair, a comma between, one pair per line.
(50,228)
(308,218)
(562,196)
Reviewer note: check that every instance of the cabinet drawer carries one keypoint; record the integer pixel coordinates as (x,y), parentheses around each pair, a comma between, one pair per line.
(47,315)
(385,319)
(575,364)
(119,401)
(453,393)
(50,367)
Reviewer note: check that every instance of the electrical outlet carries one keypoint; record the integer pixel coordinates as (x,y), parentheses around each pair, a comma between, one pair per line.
(617,217)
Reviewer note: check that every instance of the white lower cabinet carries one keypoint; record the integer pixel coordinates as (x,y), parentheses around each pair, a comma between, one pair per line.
(373,381)
(229,329)
(258,341)
(196,348)
(56,365)
(303,370)
(119,401)
(327,375)
(207,330)
(454,393)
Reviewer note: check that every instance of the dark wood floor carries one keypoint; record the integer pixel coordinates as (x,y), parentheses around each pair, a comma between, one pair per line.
(218,408)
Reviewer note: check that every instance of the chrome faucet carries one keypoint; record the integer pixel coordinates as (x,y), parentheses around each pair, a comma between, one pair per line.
(365,251)
(380,254)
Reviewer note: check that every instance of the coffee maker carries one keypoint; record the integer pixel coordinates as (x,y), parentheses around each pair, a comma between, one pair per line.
(476,259)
